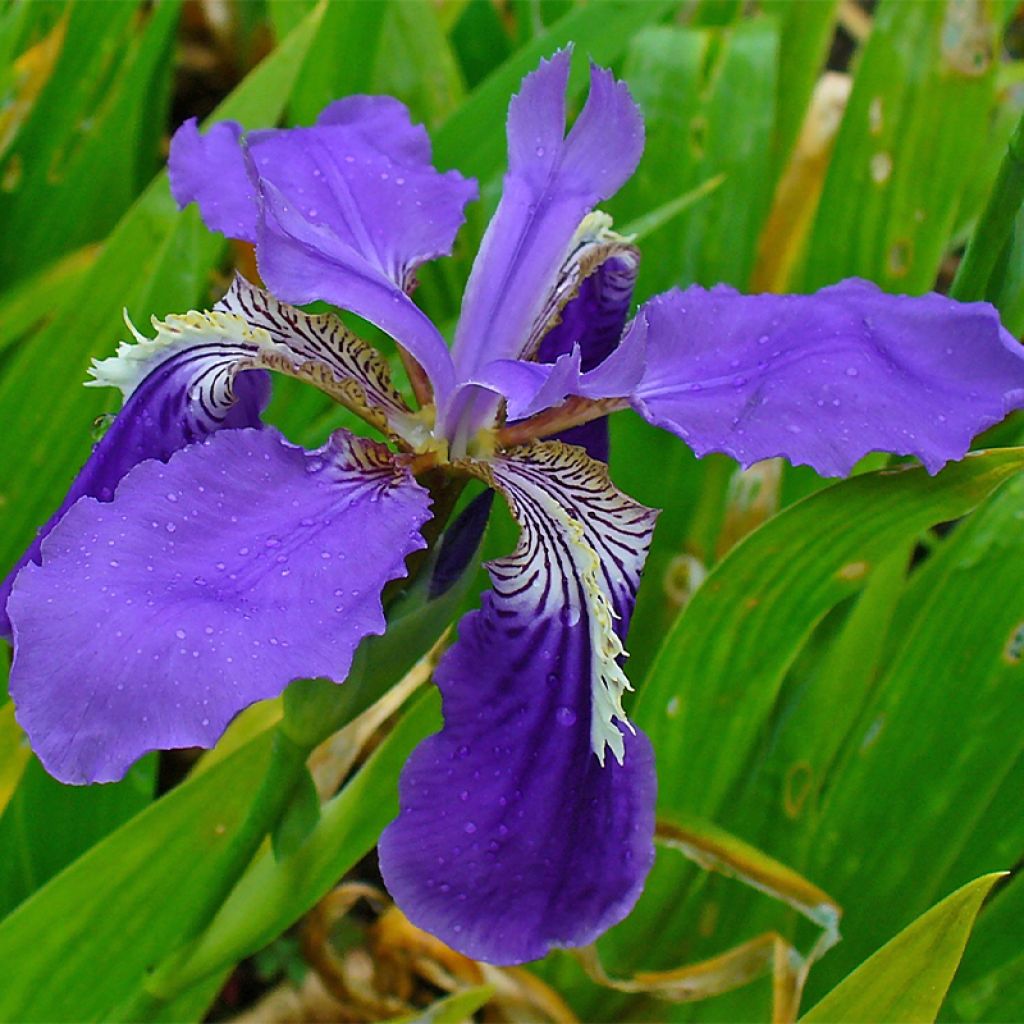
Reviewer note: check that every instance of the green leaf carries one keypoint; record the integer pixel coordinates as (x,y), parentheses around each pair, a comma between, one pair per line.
(694,85)
(720,668)
(995,226)
(78,945)
(273,893)
(908,140)
(14,754)
(988,985)
(47,825)
(91,139)
(907,978)
(744,739)
(959,620)
(805,32)
(32,300)
(341,57)
(416,63)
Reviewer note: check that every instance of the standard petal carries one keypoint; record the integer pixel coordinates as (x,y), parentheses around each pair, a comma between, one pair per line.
(210,170)
(824,379)
(304,262)
(208,583)
(578,331)
(344,211)
(551,184)
(594,320)
(513,836)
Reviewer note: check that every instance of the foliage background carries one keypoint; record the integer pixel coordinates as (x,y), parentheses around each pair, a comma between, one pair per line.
(842,689)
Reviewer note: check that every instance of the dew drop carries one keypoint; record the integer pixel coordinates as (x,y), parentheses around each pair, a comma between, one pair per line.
(565,716)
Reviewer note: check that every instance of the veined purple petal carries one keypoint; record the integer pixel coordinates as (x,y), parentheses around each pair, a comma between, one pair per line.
(824,379)
(174,395)
(208,583)
(513,837)
(552,182)
(319,347)
(304,262)
(529,388)
(353,203)
(594,320)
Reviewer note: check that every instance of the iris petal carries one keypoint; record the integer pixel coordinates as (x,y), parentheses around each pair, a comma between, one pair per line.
(343,211)
(594,320)
(208,583)
(824,379)
(553,180)
(513,837)
(160,416)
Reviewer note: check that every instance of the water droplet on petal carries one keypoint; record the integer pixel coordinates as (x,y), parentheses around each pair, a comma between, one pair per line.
(565,716)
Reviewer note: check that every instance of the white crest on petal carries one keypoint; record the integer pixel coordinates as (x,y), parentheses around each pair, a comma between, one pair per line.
(249,329)
(593,245)
(581,550)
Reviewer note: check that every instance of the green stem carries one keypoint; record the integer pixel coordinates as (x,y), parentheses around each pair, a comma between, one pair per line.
(994,225)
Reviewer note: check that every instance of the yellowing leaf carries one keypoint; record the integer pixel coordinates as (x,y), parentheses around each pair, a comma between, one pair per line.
(14,754)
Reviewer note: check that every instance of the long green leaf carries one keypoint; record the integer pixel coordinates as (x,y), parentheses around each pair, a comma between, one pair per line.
(922,90)
(693,86)
(723,663)
(907,978)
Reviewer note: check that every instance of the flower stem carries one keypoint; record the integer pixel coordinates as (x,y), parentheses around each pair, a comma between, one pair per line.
(992,232)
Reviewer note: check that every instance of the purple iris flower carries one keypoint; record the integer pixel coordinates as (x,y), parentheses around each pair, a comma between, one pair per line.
(201,562)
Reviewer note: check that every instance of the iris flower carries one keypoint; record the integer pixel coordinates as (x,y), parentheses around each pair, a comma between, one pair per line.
(201,562)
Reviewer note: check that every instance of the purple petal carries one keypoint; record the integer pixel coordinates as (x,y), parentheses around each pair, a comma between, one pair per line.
(824,379)
(320,348)
(353,206)
(529,388)
(210,170)
(513,836)
(344,177)
(304,262)
(160,416)
(551,184)
(593,320)
(460,543)
(384,124)
(206,584)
